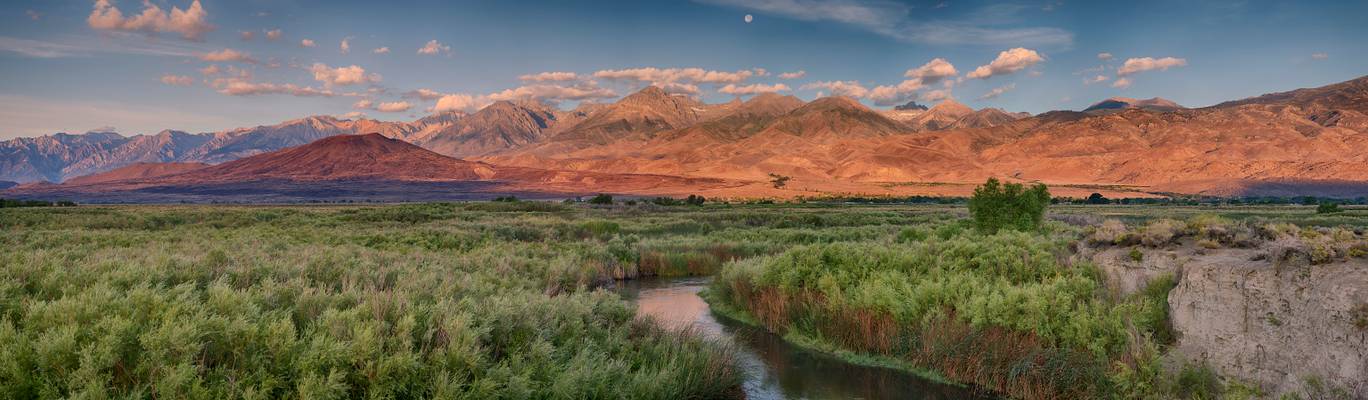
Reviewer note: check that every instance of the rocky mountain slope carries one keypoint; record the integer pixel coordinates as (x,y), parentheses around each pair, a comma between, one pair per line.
(62,156)
(359,167)
(1307,141)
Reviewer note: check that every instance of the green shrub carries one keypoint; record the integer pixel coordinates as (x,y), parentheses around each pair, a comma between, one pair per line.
(601,198)
(1328,208)
(996,206)
(1136,255)
(1198,382)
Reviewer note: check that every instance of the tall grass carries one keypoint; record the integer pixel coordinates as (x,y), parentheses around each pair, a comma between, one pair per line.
(410,301)
(1000,311)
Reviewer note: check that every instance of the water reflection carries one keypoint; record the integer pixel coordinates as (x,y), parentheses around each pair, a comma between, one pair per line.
(776,369)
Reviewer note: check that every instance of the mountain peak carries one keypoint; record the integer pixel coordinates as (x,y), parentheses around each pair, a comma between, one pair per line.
(648,92)
(1154,104)
(952,107)
(834,102)
(911,105)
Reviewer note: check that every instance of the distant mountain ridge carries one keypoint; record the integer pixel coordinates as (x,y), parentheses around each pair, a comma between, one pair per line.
(831,143)
(62,156)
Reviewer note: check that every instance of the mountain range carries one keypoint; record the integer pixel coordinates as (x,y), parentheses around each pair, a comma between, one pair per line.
(1307,141)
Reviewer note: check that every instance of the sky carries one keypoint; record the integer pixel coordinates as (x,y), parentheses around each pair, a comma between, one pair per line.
(139,67)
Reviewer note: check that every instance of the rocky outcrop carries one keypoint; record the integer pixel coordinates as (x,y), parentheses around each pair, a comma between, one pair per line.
(1276,326)
(1272,321)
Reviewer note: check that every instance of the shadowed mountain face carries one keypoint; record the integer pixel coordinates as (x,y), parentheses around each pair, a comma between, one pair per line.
(1308,139)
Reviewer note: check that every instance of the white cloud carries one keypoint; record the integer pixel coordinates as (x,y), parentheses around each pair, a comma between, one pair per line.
(81,46)
(681,88)
(1121,83)
(212,69)
(247,35)
(345,47)
(177,80)
(752,89)
(307,43)
(434,47)
(540,92)
(342,76)
(549,77)
(932,71)
(896,94)
(1137,65)
(839,88)
(998,91)
(1104,56)
(274,34)
(937,95)
(1095,79)
(424,94)
(381,50)
(235,87)
(665,76)
(1007,62)
(983,26)
(553,93)
(395,106)
(190,23)
(459,102)
(228,55)
(353,115)
(363,104)
(1320,56)
(793,75)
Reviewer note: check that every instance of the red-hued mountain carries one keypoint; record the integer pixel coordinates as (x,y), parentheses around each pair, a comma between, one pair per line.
(370,167)
(137,171)
(499,126)
(1307,140)
(347,157)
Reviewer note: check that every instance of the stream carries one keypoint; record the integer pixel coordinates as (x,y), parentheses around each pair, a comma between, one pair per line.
(776,369)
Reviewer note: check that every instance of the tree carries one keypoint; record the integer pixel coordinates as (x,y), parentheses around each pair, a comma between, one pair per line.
(1328,208)
(694,200)
(996,206)
(1098,198)
(779,180)
(602,199)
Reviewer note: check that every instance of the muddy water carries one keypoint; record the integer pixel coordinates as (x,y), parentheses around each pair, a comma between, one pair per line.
(776,369)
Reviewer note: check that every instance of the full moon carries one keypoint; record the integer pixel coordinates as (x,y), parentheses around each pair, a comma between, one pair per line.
(749,18)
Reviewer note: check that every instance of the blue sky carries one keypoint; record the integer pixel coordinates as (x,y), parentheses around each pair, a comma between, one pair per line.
(74,65)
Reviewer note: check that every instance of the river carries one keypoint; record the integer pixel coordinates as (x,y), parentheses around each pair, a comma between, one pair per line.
(776,369)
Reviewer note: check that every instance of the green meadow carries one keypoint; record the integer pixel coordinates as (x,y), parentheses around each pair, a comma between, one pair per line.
(513,299)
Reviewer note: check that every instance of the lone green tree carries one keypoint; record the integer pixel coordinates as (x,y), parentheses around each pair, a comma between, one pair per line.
(997,206)
(602,199)
(1328,208)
